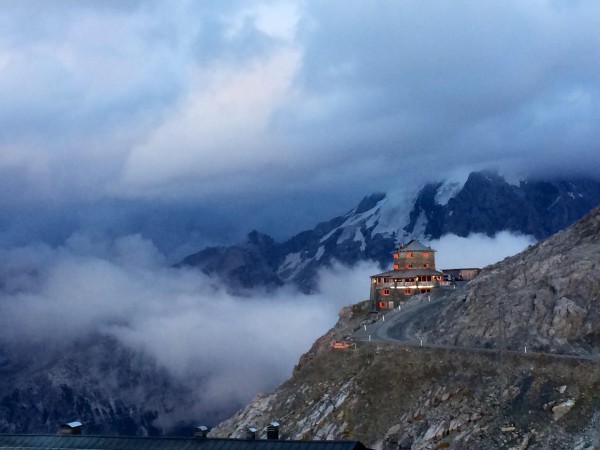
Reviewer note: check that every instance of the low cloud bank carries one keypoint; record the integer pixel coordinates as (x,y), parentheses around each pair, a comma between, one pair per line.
(477,250)
(231,347)
(227,348)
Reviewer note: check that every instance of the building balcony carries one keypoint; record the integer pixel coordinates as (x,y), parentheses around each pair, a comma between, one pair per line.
(408,285)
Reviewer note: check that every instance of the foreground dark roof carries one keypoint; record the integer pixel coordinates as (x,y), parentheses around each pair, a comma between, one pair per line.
(408,273)
(38,442)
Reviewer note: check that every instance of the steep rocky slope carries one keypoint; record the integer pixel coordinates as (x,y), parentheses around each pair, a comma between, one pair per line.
(392,396)
(473,393)
(111,389)
(547,298)
(483,203)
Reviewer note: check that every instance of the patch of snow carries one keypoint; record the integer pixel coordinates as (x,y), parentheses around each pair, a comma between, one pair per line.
(354,222)
(320,252)
(395,212)
(358,237)
(328,235)
(554,202)
(570,194)
(419,229)
(447,191)
(291,261)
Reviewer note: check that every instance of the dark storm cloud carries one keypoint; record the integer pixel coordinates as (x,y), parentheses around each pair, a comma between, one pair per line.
(480,81)
(244,106)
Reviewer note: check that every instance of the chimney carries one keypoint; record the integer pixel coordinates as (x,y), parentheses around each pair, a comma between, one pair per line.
(273,431)
(251,434)
(69,429)
(200,432)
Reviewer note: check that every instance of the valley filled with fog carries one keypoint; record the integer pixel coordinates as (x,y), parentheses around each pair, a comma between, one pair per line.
(225,348)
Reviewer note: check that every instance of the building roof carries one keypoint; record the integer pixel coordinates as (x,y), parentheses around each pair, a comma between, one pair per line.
(415,246)
(38,442)
(409,273)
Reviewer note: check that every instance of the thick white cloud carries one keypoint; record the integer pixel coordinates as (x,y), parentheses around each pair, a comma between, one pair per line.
(229,347)
(477,250)
(219,131)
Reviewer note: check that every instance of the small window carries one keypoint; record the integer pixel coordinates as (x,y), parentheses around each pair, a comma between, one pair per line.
(426,266)
(407,291)
(396,255)
(409,255)
(396,266)
(425,254)
(385,292)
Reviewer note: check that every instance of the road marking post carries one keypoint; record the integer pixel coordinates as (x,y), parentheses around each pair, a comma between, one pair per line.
(399,308)
(369,338)
(365,325)
(383,318)
(525,349)
(421,342)
(429,298)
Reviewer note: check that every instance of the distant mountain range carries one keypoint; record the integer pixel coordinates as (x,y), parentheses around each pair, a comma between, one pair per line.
(484,203)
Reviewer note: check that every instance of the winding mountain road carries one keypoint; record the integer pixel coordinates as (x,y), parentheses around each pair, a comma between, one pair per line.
(398,326)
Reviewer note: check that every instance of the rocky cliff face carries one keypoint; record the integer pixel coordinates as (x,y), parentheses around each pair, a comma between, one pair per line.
(112,390)
(547,298)
(484,203)
(468,394)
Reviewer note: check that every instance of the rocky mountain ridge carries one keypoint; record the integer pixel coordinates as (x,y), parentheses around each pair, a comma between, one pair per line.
(111,389)
(483,203)
(473,393)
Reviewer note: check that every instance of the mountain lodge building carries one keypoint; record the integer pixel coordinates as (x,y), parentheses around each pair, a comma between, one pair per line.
(413,272)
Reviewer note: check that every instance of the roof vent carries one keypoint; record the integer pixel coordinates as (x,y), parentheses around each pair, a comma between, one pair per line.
(251,434)
(70,428)
(273,431)
(200,432)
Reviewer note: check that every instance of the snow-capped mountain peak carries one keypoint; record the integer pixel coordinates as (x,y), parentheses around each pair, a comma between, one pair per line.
(484,203)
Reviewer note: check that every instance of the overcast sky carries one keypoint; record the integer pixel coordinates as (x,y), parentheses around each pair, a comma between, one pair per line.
(219,117)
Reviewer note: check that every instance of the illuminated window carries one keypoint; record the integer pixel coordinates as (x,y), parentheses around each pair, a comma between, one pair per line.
(385,292)
(396,255)
(425,254)
(406,266)
(407,291)
(425,266)
(396,266)
(409,255)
